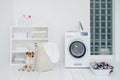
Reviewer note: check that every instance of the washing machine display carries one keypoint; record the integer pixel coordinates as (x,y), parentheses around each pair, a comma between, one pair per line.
(77,49)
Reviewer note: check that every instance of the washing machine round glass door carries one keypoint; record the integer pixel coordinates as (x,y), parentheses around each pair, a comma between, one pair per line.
(77,49)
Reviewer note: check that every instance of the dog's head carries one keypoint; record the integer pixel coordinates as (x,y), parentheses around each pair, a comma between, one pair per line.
(30,54)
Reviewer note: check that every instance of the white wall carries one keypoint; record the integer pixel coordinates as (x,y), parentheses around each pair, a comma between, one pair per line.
(60,15)
(117,29)
(5,22)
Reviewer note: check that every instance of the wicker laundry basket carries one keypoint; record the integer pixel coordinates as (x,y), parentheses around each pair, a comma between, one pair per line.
(42,60)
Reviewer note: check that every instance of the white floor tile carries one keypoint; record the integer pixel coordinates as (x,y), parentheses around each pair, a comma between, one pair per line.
(76,74)
(50,75)
(29,76)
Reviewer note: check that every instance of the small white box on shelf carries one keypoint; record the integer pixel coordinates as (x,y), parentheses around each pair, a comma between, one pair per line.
(23,49)
(19,35)
(18,58)
(39,34)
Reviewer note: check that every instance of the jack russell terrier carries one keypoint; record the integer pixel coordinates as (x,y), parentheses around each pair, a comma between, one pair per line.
(29,62)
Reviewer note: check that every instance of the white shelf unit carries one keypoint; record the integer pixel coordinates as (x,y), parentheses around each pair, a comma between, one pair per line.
(22,39)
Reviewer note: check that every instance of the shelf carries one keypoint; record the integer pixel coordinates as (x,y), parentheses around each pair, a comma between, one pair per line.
(19,64)
(30,39)
(31,27)
(22,52)
(22,39)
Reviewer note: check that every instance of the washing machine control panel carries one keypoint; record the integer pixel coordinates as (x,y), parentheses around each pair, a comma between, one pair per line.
(84,33)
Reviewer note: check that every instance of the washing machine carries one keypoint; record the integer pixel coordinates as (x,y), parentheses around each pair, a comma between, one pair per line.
(77,49)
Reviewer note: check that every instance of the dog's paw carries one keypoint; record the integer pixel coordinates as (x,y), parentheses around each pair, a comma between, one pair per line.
(19,69)
(28,70)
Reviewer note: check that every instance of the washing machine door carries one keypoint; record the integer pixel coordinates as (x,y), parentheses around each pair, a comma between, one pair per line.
(77,49)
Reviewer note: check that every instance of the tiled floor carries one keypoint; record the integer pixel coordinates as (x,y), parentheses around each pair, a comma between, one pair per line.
(59,73)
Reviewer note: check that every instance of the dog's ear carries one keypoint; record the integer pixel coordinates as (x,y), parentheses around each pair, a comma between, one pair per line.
(33,53)
(26,53)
